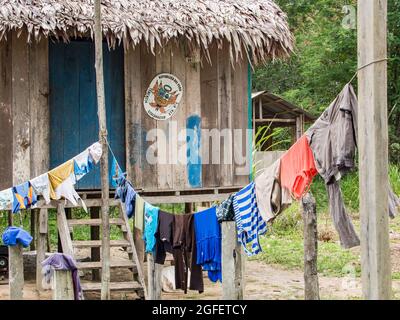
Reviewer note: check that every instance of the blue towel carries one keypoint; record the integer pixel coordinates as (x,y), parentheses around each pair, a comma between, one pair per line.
(208,243)
(249,222)
(150,226)
(14,235)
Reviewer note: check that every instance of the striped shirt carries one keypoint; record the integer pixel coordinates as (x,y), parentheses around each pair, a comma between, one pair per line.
(249,222)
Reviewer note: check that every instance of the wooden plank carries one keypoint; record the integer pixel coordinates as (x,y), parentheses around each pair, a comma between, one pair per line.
(164,165)
(114,286)
(113,264)
(154,278)
(311,286)
(16,272)
(209,112)
(194,122)
(373,150)
(93,222)
(94,235)
(232,263)
(178,147)
(41,245)
(6,123)
(97,243)
(63,231)
(240,122)
(187,198)
(20,109)
(39,107)
(148,72)
(225,115)
(63,288)
(135,135)
(135,256)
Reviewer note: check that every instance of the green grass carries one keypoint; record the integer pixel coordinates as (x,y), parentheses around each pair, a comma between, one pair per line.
(283,245)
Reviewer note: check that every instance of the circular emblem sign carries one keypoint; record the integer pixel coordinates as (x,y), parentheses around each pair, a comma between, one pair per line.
(163,96)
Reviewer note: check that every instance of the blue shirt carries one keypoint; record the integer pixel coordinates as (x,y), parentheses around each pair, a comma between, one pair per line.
(14,235)
(150,226)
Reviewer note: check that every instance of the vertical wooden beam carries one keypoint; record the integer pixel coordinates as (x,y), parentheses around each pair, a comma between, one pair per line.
(101,111)
(41,244)
(63,288)
(373,149)
(95,235)
(6,123)
(311,286)
(232,263)
(33,214)
(154,271)
(20,109)
(299,126)
(16,272)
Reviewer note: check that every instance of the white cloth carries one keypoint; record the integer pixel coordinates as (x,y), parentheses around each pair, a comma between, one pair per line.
(41,184)
(66,190)
(82,161)
(95,151)
(6,199)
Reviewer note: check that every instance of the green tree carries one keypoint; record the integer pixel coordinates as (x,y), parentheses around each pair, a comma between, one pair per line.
(325,59)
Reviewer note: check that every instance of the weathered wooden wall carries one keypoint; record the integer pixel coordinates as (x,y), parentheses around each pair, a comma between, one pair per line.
(215,97)
(24,113)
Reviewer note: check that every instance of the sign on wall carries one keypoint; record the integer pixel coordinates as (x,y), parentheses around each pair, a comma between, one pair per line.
(163,96)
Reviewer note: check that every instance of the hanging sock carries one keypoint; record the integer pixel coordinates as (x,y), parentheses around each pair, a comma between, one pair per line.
(24,197)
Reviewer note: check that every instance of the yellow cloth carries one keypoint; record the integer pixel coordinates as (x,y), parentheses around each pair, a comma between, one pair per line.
(59,175)
(139,211)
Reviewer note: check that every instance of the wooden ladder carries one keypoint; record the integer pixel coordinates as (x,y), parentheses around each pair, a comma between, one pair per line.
(65,227)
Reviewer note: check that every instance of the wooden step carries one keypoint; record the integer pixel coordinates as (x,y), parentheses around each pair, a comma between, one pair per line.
(95,222)
(97,243)
(113,264)
(114,286)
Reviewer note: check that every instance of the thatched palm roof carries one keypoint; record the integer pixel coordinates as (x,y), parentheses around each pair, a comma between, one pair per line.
(259,26)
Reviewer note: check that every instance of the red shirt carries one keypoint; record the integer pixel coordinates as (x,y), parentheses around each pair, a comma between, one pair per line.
(298,168)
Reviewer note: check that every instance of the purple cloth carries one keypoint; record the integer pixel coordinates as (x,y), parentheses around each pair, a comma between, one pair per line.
(60,261)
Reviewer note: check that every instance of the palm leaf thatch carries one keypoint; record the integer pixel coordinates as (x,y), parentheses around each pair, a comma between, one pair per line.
(257,28)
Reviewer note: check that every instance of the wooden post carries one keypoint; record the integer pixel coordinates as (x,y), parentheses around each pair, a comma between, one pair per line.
(311,286)
(95,235)
(233,261)
(63,288)
(10,218)
(154,278)
(299,126)
(33,214)
(16,272)
(101,111)
(373,149)
(41,245)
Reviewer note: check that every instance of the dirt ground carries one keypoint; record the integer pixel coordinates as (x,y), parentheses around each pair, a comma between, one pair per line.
(262,282)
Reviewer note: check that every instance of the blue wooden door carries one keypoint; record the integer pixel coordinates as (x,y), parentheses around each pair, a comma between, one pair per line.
(73,103)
